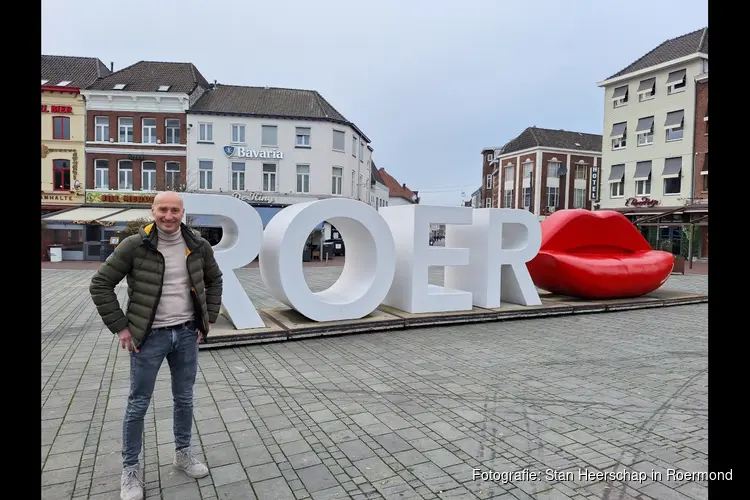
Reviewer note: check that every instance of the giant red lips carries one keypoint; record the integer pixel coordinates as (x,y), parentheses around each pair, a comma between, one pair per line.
(597,255)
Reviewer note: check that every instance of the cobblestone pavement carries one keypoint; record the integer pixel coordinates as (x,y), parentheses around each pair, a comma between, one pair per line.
(407,414)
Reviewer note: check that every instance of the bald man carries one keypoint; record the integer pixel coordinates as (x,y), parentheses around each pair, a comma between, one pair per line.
(174,293)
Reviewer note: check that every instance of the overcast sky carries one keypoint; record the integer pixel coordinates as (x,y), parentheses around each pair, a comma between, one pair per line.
(431,83)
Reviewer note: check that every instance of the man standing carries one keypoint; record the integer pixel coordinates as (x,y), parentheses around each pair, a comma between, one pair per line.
(174,292)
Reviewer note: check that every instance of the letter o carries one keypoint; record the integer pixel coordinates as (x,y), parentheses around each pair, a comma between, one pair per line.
(368,270)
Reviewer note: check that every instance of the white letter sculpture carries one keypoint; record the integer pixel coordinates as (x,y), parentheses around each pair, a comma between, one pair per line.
(368,269)
(240,242)
(501,241)
(411,291)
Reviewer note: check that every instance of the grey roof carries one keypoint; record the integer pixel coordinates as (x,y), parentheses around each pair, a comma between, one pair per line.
(534,137)
(269,102)
(148,76)
(672,49)
(80,71)
(374,174)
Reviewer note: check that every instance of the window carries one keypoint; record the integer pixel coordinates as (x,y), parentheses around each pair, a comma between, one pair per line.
(61,128)
(676,82)
(616,189)
(148,131)
(705,181)
(527,169)
(675,125)
(339,141)
(269,177)
(553,169)
(672,175)
(303,178)
(647,89)
(361,152)
(508,198)
(672,185)
(644,131)
(172,175)
(206,173)
(101,174)
(581,172)
(619,135)
(489,181)
(643,187)
(269,135)
(238,134)
(238,176)
(488,203)
(509,174)
(101,129)
(125,127)
(353,181)
(125,173)
(303,137)
(489,157)
(119,86)
(337,180)
(61,175)
(148,175)
(526,197)
(620,96)
(354,147)
(553,196)
(205,132)
(172,127)
(579,198)
(163,88)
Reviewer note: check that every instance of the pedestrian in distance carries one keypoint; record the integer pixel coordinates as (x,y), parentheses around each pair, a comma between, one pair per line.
(174,293)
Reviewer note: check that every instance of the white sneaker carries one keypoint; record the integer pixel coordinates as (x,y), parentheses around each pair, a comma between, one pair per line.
(131,487)
(186,462)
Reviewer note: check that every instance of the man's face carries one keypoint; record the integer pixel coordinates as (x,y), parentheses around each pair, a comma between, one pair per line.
(168,213)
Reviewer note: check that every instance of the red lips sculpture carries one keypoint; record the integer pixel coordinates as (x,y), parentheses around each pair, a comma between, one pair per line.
(597,255)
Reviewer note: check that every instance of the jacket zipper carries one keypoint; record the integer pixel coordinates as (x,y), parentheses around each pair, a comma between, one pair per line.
(158,298)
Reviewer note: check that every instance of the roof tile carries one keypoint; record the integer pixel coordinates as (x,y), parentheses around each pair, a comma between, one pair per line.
(396,190)
(79,71)
(148,76)
(534,137)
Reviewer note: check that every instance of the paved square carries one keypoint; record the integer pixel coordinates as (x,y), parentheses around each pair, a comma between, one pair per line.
(407,414)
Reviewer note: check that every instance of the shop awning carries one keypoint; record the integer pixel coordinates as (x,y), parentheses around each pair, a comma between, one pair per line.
(128,215)
(82,215)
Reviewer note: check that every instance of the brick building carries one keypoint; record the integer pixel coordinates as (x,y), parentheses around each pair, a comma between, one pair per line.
(700,146)
(542,170)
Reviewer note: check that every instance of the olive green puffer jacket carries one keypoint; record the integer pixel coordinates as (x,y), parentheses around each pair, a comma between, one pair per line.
(138,259)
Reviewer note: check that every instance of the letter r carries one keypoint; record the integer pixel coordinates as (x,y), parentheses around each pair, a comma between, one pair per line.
(240,243)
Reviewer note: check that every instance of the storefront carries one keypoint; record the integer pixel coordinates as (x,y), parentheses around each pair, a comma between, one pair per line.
(80,231)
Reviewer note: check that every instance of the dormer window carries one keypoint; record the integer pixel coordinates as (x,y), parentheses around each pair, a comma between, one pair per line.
(44,81)
(119,86)
(163,88)
(64,83)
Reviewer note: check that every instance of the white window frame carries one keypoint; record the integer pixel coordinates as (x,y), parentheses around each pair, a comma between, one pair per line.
(238,176)
(98,169)
(122,126)
(581,172)
(526,192)
(172,134)
(361,152)
(237,133)
(269,179)
(619,143)
(354,146)
(303,137)
(120,170)
(337,180)
(303,178)
(678,87)
(171,176)
(646,138)
(553,169)
(553,195)
(205,132)
(490,157)
(508,198)
(488,183)
(149,174)
(205,175)
(617,189)
(148,132)
(669,137)
(668,180)
(579,203)
(488,203)
(336,133)
(101,129)
(643,187)
(275,129)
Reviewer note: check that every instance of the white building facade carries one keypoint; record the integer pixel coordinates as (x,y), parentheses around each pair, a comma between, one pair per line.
(649,117)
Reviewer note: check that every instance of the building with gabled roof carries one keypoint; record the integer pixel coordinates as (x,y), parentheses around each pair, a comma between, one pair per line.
(399,194)
(541,170)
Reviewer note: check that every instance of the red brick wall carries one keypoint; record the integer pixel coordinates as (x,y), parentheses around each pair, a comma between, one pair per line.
(589,162)
(496,196)
(519,188)
(701,139)
(487,169)
(161,133)
(501,190)
(113,159)
(563,160)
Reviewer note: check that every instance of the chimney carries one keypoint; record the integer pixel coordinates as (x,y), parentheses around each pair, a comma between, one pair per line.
(112,66)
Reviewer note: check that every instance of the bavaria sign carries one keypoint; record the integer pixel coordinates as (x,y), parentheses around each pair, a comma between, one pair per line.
(252,154)
(485,256)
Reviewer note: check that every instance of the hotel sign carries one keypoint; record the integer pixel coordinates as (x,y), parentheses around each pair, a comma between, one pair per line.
(594,183)
(252,154)
(115,197)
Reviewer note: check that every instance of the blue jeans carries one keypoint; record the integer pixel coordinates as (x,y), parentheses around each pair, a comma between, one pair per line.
(179,345)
